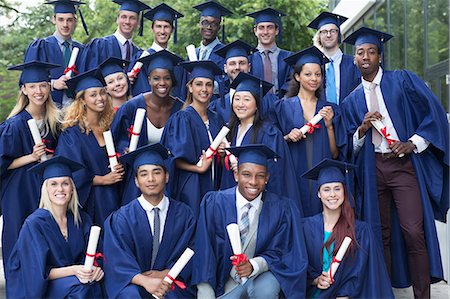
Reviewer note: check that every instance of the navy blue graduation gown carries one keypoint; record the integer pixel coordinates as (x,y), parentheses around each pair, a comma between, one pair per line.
(20,190)
(350,76)
(413,110)
(282,180)
(99,49)
(186,136)
(120,129)
(279,241)
(128,248)
(222,106)
(288,114)
(97,201)
(40,248)
(284,70)
(48,50)
(361,275)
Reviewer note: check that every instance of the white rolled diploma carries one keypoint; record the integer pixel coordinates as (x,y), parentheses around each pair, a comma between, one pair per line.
(178,267)
(137,127)
(378,125)
(339,255)
(232,157)
(192,55)
(72,60)
(92,247)
(36,135)
(215,144)
(110,149)
(232,92)
(138,65)
(313,122)
(235,239)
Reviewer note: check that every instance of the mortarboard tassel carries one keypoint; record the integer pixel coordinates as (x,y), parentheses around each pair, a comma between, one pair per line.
(141,24)
(280,29)
(339,29)
(175,35)
(223,31)
(83,22)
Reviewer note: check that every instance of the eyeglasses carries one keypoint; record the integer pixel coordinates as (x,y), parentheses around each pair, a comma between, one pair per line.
(206,24)
(331,32)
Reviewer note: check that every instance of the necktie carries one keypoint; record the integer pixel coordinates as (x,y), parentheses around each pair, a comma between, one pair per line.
(67,53)
(373,99)
(156,233)
(330,86)
(267,67)
(203,52)
(128,50)
(244,226)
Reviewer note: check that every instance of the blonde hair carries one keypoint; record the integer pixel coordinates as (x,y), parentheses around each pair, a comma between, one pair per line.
(316,40)
(75,113)
(52,115)
(189,99)
(73,205)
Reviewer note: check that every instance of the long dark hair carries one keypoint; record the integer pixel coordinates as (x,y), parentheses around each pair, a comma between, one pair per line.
(294,85)
(345,226)
(257,122)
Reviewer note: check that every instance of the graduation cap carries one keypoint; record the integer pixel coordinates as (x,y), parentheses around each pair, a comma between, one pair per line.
(84,81)
(113,65)
(237,48)
(151,154)
(253,153)
(366,35)
(160,60)
(34,71)
(325,18)
(308,55)
(268,15)
(164,12)
(68,6)
(247,82)
(216,10)
(134,6)
(55,167)
(202,69)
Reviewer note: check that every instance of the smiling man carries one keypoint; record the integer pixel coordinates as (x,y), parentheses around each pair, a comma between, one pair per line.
(120,44)
(57,48)
(406,169)
(146,237)
(268,62)
(271,237)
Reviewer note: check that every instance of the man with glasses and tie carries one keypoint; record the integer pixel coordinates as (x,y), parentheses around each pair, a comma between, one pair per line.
(341,73)
(57,48)
(270,233)
(402,167)
(144,238)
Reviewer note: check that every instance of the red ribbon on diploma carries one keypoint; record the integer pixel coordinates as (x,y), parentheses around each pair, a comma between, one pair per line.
(116,155)
(240,258)
(214,153)
(131,132)
(312,127)
(333,260)
(96,256)
(386,135)
(135,73)
(48,150)
(179,284)
(73,68)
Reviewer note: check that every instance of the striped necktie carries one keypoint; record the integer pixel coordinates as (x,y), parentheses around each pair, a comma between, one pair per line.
(156,234)
(244,225)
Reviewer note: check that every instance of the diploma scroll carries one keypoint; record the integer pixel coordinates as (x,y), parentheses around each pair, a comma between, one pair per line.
(232,92)
(314,121)
(235,240)
(112,156)
(192,55)
(178,267)
(136,129)
(215,144)
(230,156)
(138,65)
(71,66)
(378,125)
(36,135)
(338,258)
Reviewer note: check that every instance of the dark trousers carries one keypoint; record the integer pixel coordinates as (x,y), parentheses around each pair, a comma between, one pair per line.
(397,184)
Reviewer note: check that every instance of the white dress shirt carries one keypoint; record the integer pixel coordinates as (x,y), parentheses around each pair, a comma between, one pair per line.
(123,49)
(337,58)
(163,208)
(156,47)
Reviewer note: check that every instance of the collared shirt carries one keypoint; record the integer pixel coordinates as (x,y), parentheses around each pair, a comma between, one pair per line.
(157,47)
(337,58)
(209,48)
(121,39)
(163,208)
(61,41)
(273,55)
(420,143)
(241,201)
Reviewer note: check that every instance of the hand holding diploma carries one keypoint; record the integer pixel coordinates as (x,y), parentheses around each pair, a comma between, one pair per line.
(136,128)
(112,155)
(378,125)
(229,158)
(91,254)
(235,240)
(311,125)
(211,151)
(137,67)
(71,67)
(36,137)
(338,258)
